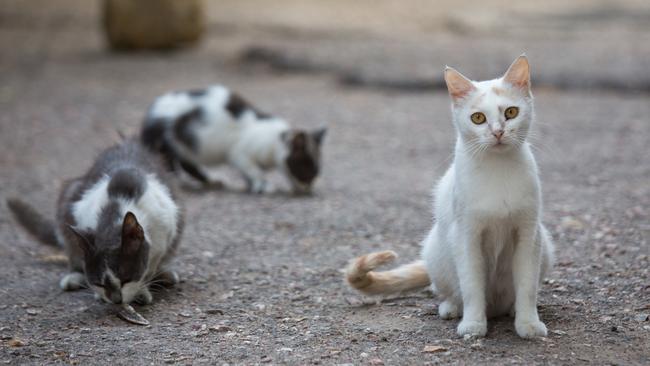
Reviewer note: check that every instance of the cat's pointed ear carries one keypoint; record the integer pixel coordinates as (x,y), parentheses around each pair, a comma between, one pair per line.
(299,140)
(132,234)
(458,85)
(319,134)
(518,74)
(85,240)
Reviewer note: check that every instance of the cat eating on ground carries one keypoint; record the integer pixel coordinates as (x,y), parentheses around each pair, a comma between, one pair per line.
(119,225)
(488,249)
(212,126)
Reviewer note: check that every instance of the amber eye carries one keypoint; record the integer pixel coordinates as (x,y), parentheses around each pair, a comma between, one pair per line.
(511,112)
(478,118)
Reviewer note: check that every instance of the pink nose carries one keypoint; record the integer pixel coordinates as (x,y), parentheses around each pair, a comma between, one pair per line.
(498,134)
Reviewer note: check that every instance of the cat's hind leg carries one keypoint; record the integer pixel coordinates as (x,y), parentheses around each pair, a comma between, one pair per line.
(73,281)
(167,278)
(449,310)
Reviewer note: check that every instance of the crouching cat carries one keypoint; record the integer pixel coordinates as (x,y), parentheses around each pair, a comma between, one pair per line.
(199,128)
(119,225)
(488,250)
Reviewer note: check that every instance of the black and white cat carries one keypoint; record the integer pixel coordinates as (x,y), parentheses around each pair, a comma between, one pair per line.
(119,224)
(199,128)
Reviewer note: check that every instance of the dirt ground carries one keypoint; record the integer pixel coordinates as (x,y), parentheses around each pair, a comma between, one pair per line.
(261,275)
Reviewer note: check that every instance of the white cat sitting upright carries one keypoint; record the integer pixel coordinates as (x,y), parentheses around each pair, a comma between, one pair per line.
(211,126)
(488,250)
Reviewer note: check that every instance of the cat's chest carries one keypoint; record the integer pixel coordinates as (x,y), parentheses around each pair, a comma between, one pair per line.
(499,192)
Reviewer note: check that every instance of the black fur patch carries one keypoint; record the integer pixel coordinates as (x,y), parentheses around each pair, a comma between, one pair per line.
(300,162)
(128,183)
(153,133)
(182,130)
(237,105)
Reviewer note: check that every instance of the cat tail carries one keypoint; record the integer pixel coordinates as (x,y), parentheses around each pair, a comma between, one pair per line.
(158,137)
(35,223)
(360,275)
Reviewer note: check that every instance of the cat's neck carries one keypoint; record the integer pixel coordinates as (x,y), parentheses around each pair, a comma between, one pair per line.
(465,154)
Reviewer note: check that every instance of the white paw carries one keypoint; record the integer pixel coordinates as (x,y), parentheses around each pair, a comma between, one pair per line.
(472,328)
(257,186)
(144,297)
(448,310)
(72,281)
(530,329)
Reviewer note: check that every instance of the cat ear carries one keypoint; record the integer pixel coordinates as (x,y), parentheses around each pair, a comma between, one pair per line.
(458,85)
(518,73)
(132,234)
(299,140)
(85,239)
(319,135)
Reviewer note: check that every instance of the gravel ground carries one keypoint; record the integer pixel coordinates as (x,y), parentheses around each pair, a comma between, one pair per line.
(261,275)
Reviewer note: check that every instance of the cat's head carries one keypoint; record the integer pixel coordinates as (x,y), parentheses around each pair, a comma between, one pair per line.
(493,115)
(303,158)
(115,259)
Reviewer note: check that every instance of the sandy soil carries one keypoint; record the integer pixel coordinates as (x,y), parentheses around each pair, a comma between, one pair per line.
(261,274)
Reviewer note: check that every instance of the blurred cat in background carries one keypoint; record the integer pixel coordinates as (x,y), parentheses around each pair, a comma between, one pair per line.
(199,128)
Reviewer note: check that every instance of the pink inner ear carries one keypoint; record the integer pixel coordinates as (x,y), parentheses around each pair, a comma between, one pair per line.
(457,84)
(518,73)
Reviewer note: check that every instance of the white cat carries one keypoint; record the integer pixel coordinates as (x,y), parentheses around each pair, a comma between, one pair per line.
(211,126)
(488,250)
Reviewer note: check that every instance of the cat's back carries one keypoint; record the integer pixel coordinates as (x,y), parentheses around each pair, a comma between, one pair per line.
(172,105)
(129,154)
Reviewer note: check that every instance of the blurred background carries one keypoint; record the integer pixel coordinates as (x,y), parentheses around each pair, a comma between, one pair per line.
(76,73)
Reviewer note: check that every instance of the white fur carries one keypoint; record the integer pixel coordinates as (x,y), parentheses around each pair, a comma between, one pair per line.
(157,213)
(86,210)
(246,143)
(488,249)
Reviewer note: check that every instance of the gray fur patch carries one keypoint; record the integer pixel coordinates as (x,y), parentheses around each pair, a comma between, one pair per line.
(127,183)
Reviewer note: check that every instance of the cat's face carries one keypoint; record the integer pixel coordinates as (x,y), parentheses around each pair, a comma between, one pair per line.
(302,162)
(493,115)
(115,260)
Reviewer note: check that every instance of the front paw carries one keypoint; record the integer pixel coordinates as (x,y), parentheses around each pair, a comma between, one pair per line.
(530,329)
(144,297)
(262,187)
(472,328)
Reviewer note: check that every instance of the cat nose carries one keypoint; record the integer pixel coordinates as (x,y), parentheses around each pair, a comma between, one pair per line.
(498,134)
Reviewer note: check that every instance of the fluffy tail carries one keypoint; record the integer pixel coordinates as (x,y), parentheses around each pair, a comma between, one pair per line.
(37,225)
(410,276)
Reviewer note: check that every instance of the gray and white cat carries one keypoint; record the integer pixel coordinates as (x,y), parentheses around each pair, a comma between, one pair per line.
(119,225)
(488,250)
(199,128)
